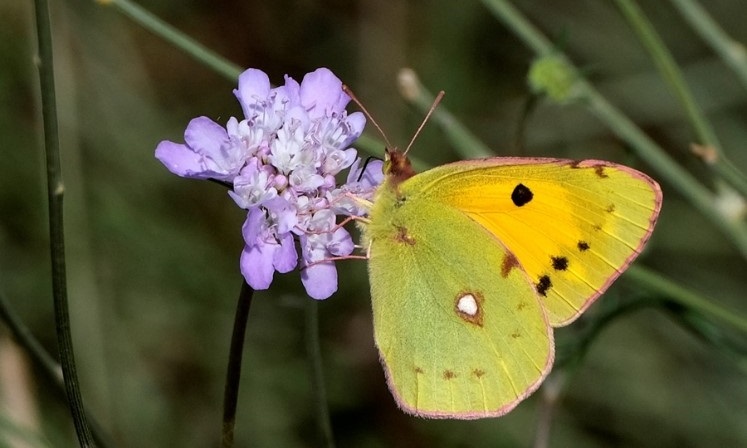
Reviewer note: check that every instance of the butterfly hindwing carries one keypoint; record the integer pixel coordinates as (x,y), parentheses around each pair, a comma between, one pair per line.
(458,324)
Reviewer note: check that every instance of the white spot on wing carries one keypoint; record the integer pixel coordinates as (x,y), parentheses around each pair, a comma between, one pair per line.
(467,305)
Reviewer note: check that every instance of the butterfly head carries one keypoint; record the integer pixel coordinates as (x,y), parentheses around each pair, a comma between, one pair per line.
(397,166)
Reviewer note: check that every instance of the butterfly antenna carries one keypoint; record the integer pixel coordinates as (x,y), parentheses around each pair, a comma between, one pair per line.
(352,96)
(427,116)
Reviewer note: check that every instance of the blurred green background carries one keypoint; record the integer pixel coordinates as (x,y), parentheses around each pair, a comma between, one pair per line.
(153,259)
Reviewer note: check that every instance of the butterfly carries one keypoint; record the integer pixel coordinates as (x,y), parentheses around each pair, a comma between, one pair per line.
(472,264)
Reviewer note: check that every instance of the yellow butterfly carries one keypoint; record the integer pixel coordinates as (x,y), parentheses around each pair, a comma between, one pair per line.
(473,263)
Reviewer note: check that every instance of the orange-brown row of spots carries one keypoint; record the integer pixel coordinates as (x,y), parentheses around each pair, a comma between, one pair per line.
(450,375)
(598,169)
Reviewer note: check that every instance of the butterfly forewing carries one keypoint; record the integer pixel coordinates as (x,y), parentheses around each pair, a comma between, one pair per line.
(573,226)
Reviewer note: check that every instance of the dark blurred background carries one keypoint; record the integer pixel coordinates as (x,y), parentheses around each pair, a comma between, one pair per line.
(153,259)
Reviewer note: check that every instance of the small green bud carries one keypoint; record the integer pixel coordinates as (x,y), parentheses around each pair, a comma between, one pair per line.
(550,75)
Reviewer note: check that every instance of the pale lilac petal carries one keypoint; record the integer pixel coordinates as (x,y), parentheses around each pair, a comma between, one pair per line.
(320,280)
(372,177)
(374,174)
(355,171)
(181,160)
(256,265)
(253,226)
(254,86)
(321,93)
(289,93)
(206,137)
(356,121)
(341,244)
(286,257)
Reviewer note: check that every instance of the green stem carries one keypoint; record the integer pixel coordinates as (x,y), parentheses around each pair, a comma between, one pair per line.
(233,371)
(676,293)
(55,191)
(314,355)
(625,128)
(44,361)
(672,74)
(732,52)
(669,70)
(190,46)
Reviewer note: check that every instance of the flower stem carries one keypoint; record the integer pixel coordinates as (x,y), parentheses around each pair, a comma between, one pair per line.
(626,129)
(233,371)
(55,191)
(685,297)
(190,46)
(313,352)
(672,74)
(44,360)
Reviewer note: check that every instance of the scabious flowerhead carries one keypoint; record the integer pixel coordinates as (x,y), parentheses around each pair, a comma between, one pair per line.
(281,160)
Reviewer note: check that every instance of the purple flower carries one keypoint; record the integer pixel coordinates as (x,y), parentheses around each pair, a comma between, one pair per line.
(281,160)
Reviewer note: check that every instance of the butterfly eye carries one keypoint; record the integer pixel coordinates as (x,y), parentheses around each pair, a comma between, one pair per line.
(386,168)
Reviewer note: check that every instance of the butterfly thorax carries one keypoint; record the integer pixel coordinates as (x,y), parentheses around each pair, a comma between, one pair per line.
(388,199)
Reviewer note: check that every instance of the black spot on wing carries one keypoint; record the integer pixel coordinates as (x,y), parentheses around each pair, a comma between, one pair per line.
(559,263)
(543,285)
(583,246)
(521,195)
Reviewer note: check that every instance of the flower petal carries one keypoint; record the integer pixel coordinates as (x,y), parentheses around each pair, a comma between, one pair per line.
(206,137)
(256,265)
(288,94)
(341,243)
(286,257)
(321,93)
(254,86)
(181,160)
(253,226)
(320,280)
(356,121)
